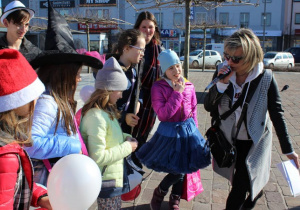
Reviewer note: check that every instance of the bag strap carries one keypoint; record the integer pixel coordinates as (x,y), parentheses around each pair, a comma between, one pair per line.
(250,93)
(246,93)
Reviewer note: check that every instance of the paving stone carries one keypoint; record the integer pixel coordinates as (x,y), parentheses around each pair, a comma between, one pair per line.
(271,187)
(275,197)
(292,201)
(276,206)
(202,206)
(204,197)
(219,196)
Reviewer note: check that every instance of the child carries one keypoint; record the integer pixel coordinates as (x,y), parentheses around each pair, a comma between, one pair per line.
(130,51)
(54,131)
(177,147)
(19,89)
(100,129)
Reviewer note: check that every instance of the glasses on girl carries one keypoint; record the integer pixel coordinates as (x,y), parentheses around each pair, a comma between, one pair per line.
(140,49)
(234,59)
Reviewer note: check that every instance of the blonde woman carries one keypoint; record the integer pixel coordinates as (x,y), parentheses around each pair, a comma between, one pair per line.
(251,171)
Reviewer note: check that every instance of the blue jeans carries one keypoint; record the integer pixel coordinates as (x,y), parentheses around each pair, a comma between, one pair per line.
(172,179)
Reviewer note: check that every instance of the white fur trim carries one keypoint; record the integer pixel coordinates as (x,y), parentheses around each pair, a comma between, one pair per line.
(22,97)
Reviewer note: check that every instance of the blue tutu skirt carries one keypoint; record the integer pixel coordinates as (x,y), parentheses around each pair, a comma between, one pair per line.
(176,147)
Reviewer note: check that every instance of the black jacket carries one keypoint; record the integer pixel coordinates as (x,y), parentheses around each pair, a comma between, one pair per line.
(28,50)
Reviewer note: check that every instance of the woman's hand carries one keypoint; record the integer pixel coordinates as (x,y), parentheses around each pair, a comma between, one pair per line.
(133,142)
(45,203)
(294,156)
(131,119)
(225,70)
(178,86)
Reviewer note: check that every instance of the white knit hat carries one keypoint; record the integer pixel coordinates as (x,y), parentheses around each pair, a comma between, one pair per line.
(19,83)
(14,6)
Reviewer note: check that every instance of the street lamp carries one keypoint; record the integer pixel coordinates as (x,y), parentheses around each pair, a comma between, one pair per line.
(264,28)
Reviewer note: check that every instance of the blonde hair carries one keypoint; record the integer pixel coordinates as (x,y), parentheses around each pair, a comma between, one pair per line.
(14,128)
(245,38)
(100,99)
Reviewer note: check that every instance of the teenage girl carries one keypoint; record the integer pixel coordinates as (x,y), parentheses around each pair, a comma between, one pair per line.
(129,53)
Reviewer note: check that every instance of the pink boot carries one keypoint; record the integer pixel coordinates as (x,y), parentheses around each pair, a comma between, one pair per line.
(157,199)
(174,202)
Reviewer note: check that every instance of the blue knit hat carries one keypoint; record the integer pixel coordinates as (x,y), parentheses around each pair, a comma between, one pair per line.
(167,58)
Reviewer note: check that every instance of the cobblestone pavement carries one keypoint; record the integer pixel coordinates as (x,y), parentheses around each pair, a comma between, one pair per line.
(277,195)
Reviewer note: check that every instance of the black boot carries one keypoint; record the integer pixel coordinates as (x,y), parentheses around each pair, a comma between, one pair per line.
(174,202)
(157,199)
(249,204)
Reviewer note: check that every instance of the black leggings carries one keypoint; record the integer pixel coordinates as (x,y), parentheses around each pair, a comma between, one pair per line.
(172,179)
(241,182)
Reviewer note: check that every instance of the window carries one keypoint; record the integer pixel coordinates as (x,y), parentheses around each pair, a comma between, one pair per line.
(64,12)
(268,1)
(159,19)
(285,56)
(103,13)
(178,19)
(213,53)
(200,17)
(297,18)
(224,18)
(244,20)
(97,13)
(268,19)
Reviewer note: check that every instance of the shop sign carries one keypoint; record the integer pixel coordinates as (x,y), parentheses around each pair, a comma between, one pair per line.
(297,31)
(58,4)
(168,33)
(97,3)
(96,26)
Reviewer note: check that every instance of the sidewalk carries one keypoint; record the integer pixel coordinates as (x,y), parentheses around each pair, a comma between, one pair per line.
(277,195)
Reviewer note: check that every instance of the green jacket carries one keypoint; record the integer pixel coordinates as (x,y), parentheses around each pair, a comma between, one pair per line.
(106,143)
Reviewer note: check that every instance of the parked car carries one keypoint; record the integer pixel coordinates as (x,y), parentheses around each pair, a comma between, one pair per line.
(212,58)
(295,52)
(217,47)
(278,59)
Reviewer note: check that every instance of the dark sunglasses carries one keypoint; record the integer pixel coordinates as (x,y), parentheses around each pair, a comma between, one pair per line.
(234,59)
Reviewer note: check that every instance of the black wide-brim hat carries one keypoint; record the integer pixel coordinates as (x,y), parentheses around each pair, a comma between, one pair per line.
(59,45)
(56,57)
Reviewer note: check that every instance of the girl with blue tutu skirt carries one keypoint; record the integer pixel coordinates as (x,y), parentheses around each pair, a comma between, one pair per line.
(177,147)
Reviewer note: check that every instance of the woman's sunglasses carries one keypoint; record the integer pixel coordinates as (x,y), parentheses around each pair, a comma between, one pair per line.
(234,59)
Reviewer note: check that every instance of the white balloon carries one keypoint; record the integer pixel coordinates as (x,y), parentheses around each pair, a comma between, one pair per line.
(86,92)
(74,183)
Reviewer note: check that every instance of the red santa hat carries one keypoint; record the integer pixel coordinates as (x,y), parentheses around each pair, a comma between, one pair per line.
(19,83)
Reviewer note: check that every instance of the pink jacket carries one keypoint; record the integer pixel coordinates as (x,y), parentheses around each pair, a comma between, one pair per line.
(172,106)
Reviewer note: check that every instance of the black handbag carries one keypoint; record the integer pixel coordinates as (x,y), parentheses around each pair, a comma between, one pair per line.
(223,152)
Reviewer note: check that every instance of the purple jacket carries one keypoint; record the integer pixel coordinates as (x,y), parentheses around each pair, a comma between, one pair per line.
(172,106)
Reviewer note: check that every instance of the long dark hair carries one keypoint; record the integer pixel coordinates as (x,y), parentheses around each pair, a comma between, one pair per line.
(61,83)
(146,15)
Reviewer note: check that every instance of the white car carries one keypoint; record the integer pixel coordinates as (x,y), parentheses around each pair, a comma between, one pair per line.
(278,59)
(212,58)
